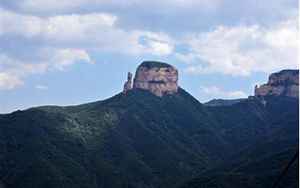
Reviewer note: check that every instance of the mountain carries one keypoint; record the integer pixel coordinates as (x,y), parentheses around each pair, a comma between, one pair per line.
(152,135)
(136,140)
(257,174)
(223,102)
(266,147)
(270,146)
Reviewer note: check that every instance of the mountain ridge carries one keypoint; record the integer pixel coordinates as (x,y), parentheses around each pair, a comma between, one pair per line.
(183,142)
(140,140)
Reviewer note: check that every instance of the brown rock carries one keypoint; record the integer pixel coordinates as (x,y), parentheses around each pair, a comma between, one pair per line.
(156,77)
(283,83)
(128,83)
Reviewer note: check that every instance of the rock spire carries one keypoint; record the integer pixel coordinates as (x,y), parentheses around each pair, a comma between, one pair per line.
(128,83)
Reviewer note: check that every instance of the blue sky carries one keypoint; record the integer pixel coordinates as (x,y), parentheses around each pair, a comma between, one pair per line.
(76,51)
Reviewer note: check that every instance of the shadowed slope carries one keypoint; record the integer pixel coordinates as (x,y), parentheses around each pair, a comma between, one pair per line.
(139,140)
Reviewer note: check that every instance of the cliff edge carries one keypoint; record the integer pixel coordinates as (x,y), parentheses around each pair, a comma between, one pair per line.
(156,77)
(283,83)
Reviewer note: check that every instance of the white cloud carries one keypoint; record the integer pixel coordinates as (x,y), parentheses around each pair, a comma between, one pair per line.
(9,81)
(13,71)
(96,31)
(242,50)
(59,28)
(211,92)
(79,27)
(57,42)
(62,58)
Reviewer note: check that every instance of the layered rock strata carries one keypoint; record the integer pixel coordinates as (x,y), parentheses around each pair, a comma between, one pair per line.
(283,83)
(157,77)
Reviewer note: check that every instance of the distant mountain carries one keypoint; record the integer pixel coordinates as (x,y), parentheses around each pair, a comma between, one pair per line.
(223,102)
(152,135)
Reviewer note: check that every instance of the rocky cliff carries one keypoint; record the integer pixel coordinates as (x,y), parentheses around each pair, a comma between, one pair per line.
(283,83)
(157,77)
(128,83)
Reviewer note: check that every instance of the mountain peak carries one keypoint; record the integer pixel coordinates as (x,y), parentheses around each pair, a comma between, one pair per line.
(156,77)
(153,64)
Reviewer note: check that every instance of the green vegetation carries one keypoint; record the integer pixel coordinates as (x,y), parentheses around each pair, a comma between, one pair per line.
(151,64)
(139,140)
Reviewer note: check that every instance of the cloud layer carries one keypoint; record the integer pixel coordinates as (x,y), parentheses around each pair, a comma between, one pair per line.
(219,36)
(242,50)
(13,71)
(57,42)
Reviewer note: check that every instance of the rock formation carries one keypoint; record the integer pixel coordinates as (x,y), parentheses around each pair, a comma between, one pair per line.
(157,77)
(283,83)
(128,83)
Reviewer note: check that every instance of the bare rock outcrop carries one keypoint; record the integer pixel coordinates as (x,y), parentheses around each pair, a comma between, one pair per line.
(128,83)
(283,83)
(157,77)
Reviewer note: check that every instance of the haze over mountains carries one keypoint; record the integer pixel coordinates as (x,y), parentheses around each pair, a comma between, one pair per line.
(154,134)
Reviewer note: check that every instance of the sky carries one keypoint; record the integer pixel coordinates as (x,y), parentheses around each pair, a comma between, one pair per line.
(70,52)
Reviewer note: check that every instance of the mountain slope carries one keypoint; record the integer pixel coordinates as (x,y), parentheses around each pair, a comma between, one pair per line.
(256,173)
(223,102)
(138,140)
(262,149)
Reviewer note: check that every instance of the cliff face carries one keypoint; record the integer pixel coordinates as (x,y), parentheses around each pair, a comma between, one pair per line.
(283,83)
(156,77)
(128,83)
